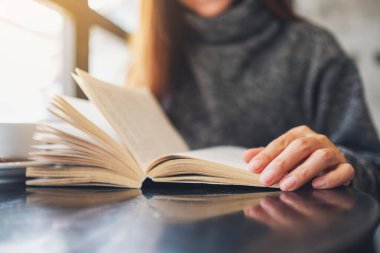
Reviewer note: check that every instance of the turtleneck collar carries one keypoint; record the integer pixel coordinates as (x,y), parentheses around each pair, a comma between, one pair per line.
(244,18)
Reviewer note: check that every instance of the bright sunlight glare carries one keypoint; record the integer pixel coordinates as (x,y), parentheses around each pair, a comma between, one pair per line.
(31,59)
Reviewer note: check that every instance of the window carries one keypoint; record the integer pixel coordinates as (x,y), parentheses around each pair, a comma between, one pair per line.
(42,41)
(122,13)
(33,60)
(109,55)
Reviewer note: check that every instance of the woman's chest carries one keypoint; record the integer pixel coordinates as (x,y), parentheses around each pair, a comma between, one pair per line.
(232,95)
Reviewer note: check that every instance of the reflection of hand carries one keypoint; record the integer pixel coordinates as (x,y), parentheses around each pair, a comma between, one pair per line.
(298,156)
(295,211)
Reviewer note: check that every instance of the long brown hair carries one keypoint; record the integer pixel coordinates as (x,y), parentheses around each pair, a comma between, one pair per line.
(159,39)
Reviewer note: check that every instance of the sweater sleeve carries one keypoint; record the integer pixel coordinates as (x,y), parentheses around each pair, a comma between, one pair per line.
(340,112)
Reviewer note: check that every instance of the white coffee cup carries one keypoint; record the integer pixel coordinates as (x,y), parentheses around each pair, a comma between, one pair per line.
(16,140)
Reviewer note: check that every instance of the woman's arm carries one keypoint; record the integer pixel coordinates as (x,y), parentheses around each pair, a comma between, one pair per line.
(342,114)
(340,141)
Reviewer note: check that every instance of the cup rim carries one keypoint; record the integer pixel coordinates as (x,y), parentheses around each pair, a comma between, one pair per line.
(18,123)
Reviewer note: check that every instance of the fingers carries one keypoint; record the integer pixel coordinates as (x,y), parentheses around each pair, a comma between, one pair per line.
(342,174)
(295,153)
(297,157)
(317,162)
(251,153)
(262,159)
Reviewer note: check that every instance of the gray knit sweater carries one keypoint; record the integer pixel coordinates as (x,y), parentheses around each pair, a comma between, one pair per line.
(246,77)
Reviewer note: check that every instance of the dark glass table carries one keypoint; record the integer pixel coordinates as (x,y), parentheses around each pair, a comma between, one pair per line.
(190,218)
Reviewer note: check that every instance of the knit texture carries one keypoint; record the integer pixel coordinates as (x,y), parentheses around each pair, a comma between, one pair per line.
(246,77)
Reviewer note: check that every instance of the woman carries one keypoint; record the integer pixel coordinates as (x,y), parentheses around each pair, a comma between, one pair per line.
(251,73)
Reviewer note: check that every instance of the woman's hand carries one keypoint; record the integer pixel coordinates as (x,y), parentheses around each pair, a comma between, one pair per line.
(298,156)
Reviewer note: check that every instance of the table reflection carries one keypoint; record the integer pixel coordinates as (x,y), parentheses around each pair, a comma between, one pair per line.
(185,220)
(293,212)
(193,207)
(68,197)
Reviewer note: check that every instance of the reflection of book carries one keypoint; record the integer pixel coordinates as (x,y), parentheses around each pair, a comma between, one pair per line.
(78,197)
(197,207)
(120,138)
(172,208)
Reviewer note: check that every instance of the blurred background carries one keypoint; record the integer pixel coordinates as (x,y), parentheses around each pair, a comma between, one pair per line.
(43,40)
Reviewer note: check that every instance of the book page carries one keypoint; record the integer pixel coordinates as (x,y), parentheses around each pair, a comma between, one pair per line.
(64,128)
(85,117)
(214,165)
(227,155)
(89,110)
(136,117)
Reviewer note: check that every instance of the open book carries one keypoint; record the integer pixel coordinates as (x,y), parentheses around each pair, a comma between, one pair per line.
(120,137)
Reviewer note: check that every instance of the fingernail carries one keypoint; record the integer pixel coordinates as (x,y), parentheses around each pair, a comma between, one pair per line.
(254,165)
(267,177)
(288,184)
(319,184)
